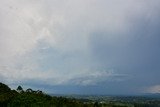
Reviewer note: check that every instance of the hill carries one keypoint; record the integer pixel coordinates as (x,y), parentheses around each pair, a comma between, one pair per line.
(32,98)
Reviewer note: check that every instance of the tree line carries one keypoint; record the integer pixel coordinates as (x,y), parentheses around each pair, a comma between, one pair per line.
(32,98)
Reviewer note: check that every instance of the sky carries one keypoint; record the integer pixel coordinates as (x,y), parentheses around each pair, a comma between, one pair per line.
(105,47)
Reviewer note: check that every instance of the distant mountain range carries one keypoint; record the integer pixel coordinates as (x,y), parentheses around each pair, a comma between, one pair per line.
(152,95)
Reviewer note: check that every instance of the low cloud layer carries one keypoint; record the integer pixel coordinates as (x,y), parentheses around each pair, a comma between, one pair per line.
(153,89)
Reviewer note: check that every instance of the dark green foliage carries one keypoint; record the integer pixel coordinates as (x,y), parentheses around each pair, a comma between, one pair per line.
(19,89)
(29,90)
(4,88)
(31,98)
(6,94)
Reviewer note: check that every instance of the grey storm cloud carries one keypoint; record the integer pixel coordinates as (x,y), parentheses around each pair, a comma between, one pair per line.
(82,43)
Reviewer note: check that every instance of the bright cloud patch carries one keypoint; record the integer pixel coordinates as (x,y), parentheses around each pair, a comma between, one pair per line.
(154,89)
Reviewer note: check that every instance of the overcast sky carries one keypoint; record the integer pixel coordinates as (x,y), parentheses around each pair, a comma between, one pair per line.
(81,46)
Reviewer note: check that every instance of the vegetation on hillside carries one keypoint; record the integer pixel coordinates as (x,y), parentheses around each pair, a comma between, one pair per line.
(31,98)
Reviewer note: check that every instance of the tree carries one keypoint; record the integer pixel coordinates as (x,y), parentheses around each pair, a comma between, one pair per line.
(39,92)
(29,90)
(19,89)
(96,104)
(4,88)
(6,94)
